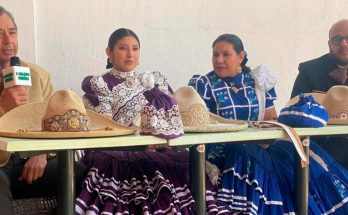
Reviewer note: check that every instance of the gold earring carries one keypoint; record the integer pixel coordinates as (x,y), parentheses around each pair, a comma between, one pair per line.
(239,69)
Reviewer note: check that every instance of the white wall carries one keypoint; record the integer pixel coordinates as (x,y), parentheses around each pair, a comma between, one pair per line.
(23,12)
(176,35)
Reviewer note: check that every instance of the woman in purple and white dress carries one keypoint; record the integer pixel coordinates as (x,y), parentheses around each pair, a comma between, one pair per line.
(146,182)
(122,182)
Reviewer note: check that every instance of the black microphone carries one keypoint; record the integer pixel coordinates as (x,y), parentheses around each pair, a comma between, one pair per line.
(16,75)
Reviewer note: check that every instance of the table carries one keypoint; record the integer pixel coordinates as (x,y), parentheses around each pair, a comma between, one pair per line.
(65,150)
(197,142)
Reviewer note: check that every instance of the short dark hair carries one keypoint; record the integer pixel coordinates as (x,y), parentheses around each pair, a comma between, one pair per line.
(4,11)
(237,45)
(118,35)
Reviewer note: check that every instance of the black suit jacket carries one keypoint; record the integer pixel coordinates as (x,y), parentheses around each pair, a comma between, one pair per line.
(313,76)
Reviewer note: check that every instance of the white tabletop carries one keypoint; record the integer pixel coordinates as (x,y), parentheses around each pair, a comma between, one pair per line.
(18,144)
(251,134)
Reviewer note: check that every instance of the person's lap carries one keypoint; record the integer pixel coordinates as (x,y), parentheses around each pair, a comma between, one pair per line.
(46,186)
(5,193)
(337,147)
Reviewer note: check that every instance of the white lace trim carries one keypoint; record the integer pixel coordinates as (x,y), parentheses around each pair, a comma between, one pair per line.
(103,93)
(122,94)
(125,100)
(127,113)
(161,121)
(120,74)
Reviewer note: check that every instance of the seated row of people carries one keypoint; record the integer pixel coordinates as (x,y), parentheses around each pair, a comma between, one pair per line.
(254,179)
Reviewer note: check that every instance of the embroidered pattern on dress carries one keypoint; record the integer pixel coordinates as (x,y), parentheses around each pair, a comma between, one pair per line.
(122,94)
(127,113)
(104,96)
(227,99)
(161,121)
(123,75)
(125,100)
(161,81)
(71,121)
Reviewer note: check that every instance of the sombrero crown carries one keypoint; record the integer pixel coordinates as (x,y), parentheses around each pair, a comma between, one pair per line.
(336,103)
(65,111)
(196,116)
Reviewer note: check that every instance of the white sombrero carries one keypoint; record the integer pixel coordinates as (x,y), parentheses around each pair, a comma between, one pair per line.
(62,116)
(196,117)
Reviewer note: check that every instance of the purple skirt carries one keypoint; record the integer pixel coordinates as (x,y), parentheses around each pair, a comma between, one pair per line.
(150,182)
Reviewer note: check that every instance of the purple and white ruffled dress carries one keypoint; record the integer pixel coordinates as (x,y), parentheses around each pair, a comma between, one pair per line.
(128,182)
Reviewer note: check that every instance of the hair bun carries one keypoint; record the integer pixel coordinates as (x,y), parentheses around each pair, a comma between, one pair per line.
(108,64)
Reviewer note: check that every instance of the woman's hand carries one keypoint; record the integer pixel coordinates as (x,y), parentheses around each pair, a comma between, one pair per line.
(158,147)
(270,114)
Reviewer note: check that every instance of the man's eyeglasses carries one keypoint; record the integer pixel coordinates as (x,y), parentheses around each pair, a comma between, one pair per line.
(336,40)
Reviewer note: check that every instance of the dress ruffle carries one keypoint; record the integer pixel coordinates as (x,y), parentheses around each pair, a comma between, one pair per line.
(249,183)
(136,183)
(328,180)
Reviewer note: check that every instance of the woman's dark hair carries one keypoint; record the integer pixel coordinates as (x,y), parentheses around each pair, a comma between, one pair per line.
(116,36)
(238,47)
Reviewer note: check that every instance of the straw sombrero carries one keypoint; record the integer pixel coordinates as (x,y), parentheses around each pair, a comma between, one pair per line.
(317,96)
(62,116)
(196,117)
(335,102)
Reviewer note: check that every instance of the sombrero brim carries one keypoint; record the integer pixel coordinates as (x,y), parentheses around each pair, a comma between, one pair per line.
(317,96)
(333,121)
(25,122)
(218,124)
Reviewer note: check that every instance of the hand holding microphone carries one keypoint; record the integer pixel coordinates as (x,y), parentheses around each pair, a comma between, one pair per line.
(13,97)
(16,78)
